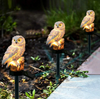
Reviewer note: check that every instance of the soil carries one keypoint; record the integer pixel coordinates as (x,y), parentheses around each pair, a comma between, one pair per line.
(35,46)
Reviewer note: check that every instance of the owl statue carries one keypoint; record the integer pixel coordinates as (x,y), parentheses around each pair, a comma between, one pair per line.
(14,51)
(56,34)
(88,20)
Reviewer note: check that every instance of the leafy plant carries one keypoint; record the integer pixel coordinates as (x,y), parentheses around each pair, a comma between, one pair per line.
(81,73)
(63,74)
(7,23)
(29,95)
(73,53)
(45,67)
(5,94)
(50,89)
(70,18)
(36,58)
(78,73)
(72,73)
(42,66)
(45,75)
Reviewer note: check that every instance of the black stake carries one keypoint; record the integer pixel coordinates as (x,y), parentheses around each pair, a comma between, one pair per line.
(16,87)
(89,43)
(58,52)
(58,68)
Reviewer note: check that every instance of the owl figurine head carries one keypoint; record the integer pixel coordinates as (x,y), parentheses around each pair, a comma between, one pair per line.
(18,40)
(59,25)
(90,13)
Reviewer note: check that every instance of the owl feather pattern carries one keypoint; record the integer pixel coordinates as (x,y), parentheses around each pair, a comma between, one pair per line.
(15,50)
(10,53)
(57,33)
(88,19)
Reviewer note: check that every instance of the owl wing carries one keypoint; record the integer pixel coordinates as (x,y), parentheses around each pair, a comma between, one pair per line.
(54,34)
(11,51)
(86,20)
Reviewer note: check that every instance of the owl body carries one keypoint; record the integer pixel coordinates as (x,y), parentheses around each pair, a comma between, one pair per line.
(57,33)
(15,50)
(88,19)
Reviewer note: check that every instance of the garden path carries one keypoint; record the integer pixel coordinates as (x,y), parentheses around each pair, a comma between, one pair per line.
(78,88)
(82,88)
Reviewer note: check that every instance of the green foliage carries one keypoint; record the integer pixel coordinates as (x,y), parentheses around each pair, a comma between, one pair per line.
(70,17)
(73,53)
(50,89)
(71,21)
(17,8)
(65,10)
(45,75)
(36,58)
(7,23)
(7,7)
(72,66)
(9,4)
(29,95)
(72,73)
(42,66)
(45,67)
(64,74)
(78,73)
(5,94)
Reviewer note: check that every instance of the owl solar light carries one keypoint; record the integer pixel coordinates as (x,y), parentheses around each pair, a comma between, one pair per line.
(87,22)
(13,58)
(13,55)
(55,37)
(88,25)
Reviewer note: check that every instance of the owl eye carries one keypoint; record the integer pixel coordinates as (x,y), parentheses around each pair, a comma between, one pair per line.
(14,39)
(59,24)
(90,13)
(19,40)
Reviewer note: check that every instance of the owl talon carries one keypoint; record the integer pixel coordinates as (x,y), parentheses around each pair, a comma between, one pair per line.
(18,65)
(90,27)
(59,45)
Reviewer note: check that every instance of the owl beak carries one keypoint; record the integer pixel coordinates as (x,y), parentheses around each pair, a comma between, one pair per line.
(57,26)
(16,42)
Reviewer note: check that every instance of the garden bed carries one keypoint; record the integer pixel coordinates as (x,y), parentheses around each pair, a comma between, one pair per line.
(42,71)
(38,73)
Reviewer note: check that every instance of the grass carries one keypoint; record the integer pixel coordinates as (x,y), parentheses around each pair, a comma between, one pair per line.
(64,10)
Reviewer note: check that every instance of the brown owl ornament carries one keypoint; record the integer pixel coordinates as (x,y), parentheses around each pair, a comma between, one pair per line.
(55,37)
(13,55)
(87,22)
